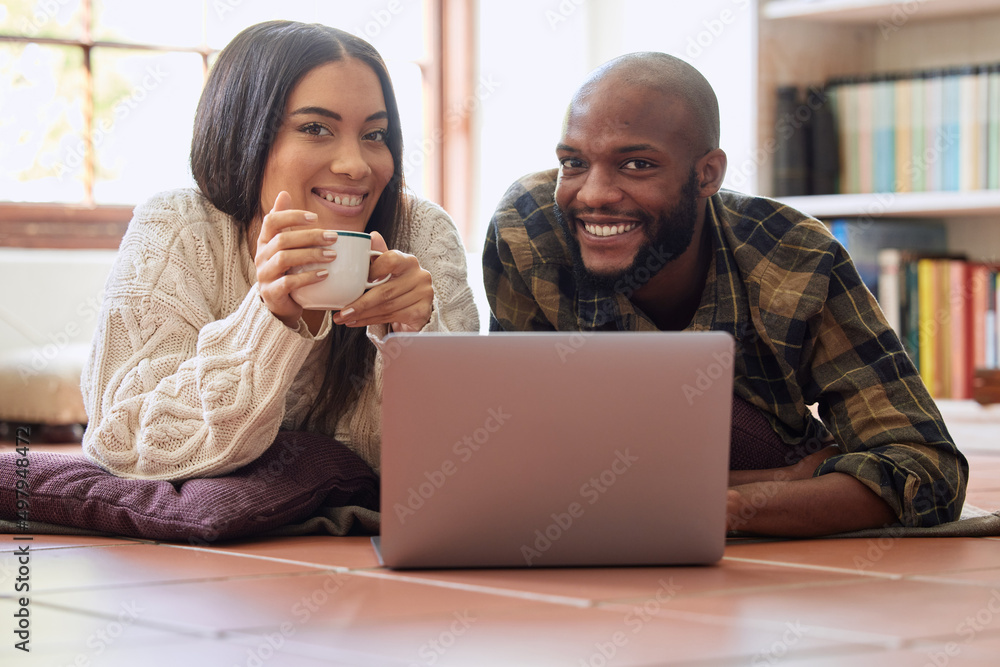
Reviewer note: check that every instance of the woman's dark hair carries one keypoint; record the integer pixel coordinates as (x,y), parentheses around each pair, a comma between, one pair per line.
(240,112)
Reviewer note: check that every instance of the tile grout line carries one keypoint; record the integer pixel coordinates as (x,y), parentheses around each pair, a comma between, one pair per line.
(840,635)
(165,583)
(563,600)
(274,559)
(747,590)
(40,547)
(817,568)
(196,632)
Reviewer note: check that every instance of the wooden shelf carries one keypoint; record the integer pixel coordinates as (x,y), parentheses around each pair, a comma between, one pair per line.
(900,204)
(872,11)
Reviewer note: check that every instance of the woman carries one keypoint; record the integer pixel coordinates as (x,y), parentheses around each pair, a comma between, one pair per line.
(202,354)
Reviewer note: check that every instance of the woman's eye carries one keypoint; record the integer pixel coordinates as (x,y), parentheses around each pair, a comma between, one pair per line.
(315,129)
(377,135)
(637,164)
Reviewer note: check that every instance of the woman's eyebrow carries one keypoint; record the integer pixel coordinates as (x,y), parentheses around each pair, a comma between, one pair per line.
(322,111)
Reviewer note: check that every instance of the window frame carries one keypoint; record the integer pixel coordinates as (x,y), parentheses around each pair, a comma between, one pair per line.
(448,75)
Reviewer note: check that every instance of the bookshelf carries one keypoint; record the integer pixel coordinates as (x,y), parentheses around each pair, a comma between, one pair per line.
(975,203)
(807,42)
(859,11)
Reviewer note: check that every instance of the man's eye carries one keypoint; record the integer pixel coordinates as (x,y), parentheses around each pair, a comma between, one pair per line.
(570,163)
(637,164)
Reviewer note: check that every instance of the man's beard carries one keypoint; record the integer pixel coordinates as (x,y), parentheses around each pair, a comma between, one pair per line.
(667,238)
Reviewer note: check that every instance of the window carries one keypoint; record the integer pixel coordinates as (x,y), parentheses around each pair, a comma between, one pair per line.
(97,100)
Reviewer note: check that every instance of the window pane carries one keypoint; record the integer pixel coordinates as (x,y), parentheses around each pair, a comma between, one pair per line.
(42,18)
(144,106)
(41,123)
(394,27)
(174,23)
(408,85)
(225,18)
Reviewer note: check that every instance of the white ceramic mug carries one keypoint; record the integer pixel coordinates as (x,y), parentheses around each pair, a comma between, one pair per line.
(348,277)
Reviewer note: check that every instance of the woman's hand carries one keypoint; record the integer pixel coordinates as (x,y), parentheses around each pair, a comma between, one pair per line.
(287,240)
(404,301)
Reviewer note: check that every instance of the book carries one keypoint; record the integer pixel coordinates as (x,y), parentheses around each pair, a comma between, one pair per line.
(992,321)
(865,92)
(927,289)
(883,135)
(996,319)
(824,158)
(918,131)
(993,145)
(983,127)
(932,162)
(845,109)
(979,278)
(956,353)
(890,287)
(969,137)
(949,164)
(909,304)
(903,140)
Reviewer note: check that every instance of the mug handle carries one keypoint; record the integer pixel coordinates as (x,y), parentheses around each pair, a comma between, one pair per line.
(371,284)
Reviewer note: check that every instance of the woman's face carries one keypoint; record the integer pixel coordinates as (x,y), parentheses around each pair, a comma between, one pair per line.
(330,153)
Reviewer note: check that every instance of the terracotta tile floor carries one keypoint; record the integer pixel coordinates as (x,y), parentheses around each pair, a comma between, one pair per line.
(324,601)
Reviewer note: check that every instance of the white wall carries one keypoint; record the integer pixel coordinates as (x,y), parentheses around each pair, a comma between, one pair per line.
(539,52)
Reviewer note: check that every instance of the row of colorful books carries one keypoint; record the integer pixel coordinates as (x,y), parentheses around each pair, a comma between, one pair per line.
(933,130)
(944,309)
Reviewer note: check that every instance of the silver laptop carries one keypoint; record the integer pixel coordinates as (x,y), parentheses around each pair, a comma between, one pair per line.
(555,449)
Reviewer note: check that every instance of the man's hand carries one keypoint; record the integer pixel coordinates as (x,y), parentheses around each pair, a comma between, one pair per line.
(791,502)
(803,469)
(824,505)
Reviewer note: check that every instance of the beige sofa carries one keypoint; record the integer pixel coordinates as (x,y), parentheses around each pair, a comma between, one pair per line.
(49,307)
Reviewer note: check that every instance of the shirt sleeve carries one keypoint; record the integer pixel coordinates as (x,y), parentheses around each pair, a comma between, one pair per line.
(520,270)
(875,404)
(174,387)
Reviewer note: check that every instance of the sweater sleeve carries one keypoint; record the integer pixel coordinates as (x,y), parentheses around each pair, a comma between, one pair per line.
(188,371)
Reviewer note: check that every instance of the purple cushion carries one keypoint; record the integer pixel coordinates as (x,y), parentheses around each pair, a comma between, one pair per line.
(297,474)
(753,444)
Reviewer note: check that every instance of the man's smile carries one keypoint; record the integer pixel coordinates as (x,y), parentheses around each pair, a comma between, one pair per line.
(609,230)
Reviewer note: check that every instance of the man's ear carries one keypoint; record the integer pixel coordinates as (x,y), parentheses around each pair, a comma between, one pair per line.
(711,170)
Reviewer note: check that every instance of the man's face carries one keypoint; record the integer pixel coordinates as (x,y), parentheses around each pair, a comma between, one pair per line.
(627,191)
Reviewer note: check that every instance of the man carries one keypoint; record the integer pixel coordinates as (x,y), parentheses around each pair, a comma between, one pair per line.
(632,232)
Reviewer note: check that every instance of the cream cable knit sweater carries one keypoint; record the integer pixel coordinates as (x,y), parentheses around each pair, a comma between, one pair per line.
(190,375)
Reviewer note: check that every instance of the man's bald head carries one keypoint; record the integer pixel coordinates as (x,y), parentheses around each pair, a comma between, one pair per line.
(668,76)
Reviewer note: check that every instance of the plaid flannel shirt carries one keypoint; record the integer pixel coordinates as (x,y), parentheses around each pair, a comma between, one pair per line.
(807,332)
